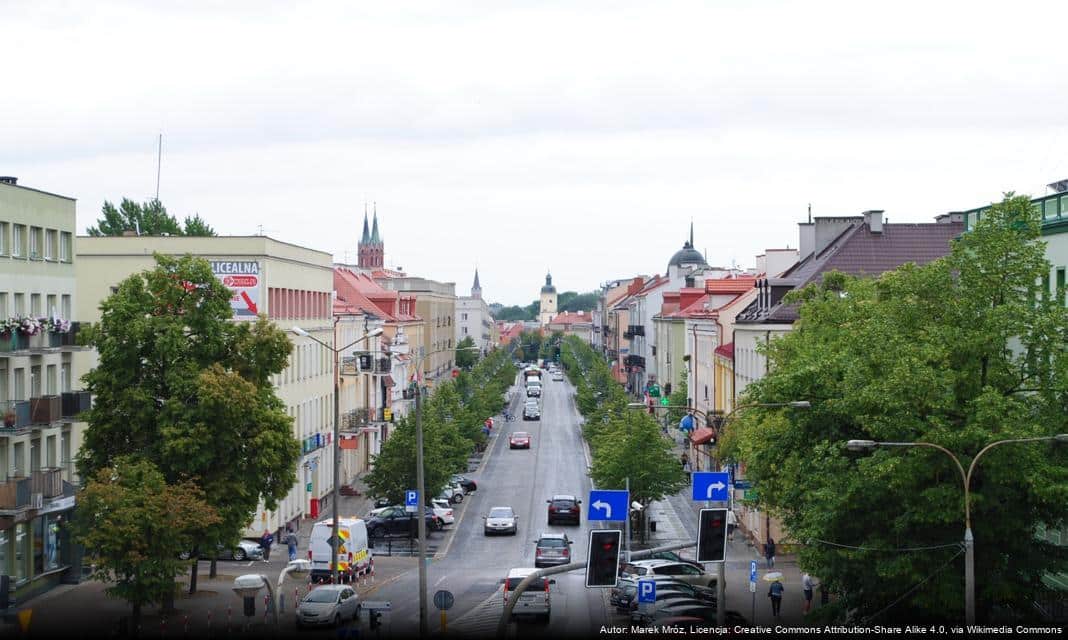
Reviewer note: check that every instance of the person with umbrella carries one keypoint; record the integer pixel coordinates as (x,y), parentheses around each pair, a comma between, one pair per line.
(775,592)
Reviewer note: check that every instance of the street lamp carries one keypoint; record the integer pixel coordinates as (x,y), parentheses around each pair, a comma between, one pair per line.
(420,487)
(966,478)
(377,331)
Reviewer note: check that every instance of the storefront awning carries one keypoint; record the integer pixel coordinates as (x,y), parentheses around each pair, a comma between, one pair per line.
(704,435)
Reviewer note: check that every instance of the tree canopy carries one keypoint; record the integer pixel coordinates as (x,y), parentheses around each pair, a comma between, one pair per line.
(466,355)
(180,385)
(961,352)
(566,301)
(147,219)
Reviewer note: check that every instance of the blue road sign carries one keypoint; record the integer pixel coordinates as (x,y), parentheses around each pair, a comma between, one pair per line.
(711,485)
(752,570)
(411,498)
(646,591)
(608,505)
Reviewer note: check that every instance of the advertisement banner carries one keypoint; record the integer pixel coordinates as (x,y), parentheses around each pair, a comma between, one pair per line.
(242,277)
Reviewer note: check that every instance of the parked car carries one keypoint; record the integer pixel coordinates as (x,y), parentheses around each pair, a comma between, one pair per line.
(696,610)
(681,571)
(329,604)
(500,520)
(666,555)
(243,550)
(467,484)
(564,508)
(663,600)
(625,592)
(519,440)
(552,549)
(436,523)
(443,510)
(396,521)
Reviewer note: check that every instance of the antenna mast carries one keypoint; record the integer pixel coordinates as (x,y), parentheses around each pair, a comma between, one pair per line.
(159,162)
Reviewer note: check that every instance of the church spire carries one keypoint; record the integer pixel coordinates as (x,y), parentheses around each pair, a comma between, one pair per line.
(476,285)
(366,235)
(476,288)
(374,232)
(691,232)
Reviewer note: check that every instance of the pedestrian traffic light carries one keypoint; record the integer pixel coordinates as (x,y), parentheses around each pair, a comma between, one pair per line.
(602,558)
(712,535)
(375,618)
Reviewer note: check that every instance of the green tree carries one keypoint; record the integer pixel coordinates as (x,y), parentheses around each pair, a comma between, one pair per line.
(134,525)
(147,219)
(679,397)
(514,314)
(182,386)
(961,352)
(466,356)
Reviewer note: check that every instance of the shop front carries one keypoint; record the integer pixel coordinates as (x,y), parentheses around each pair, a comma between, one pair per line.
(36,550)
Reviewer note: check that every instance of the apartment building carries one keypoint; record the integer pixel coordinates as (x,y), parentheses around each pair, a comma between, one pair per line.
(435,303)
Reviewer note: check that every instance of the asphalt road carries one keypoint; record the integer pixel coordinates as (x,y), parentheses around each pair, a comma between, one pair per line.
(471,565)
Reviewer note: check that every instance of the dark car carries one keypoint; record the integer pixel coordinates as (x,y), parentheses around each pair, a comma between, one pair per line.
(694,610)
(624,594)
(552,549)
(564,508)
(396,521)
(467,484)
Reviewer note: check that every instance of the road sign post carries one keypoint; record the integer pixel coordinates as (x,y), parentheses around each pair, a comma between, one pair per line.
(752,587)
(646,596)
(443,600)
(711,486)
(411,500)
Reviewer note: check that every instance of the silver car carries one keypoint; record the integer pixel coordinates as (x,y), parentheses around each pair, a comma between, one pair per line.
(500,520)
(329,604)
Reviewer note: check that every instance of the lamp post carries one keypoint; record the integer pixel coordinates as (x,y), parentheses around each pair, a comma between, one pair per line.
(721,577)
(336,448)
(966,479)
(420,487)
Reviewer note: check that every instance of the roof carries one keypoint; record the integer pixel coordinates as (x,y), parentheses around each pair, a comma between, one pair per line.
(726,350)
(858,252)
(730,285)
(687,255)
(360,291)
(571,318)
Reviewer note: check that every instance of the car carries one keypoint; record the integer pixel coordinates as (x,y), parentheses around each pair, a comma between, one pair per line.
(625,592)
(519,440)
(564,508)
(435,523)
(467,484)
(552,549)
(682,571)
(534,601)
(534,391)
(558,377)
(443,510)
(665,599)
(531,413)
(682,609)
(382,502)
(243,550)
(328,604)
(396,521)
(500,520)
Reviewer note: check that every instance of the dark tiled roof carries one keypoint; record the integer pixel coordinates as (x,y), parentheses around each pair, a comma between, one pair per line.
(859,252)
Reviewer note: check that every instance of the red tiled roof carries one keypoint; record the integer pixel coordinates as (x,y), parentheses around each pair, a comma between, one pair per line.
(571,318)
(360,291)
(730,285)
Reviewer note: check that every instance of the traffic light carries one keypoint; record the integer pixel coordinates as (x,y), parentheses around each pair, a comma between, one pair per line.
(366,362)
(375,618)
(602,558)
(712,536)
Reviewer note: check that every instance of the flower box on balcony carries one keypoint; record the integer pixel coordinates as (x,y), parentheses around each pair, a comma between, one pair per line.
(46,409)
(54,340)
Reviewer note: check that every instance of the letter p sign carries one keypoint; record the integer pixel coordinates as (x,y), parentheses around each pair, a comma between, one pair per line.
(646,591)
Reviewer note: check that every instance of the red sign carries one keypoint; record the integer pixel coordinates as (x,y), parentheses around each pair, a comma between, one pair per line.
(241,281)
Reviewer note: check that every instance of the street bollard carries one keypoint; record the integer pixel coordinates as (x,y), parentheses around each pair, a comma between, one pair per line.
(372,570)
(163,627)
(229,619)
(185,630)
(266,608)
(209,623)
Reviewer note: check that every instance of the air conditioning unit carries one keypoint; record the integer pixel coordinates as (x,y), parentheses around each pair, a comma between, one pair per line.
(37,501)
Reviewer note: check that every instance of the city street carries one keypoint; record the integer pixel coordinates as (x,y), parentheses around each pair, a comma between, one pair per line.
(471,565)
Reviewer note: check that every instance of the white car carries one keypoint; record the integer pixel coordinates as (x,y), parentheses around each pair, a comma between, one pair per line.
(681,571)
(330,604)
(500,520)
(452,493)
(443,510)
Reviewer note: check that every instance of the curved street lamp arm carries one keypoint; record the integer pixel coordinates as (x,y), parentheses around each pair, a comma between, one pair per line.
(975,460)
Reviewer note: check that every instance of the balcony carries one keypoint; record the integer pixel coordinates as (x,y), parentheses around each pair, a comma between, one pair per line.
(14,341)
(612,354)
(17,416)
(636,330)
(70,339)
(356,419)
(74,403)
(635,362)
(48,482)
(15,493)
(46,409)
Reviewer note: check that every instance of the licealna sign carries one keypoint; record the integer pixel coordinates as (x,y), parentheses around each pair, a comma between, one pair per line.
(242,277)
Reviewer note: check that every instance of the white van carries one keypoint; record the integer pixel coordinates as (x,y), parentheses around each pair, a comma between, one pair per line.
(353,557)
(535,600)
(533,388)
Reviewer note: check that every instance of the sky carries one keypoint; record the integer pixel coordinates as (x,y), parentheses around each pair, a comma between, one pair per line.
(524,137)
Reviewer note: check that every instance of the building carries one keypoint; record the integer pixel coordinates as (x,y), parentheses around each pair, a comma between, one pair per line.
(547,307)
(473,319)
(508,331)
(617,343)
(435,303)
(578,324)
(39,393)
(371,250)
(289,284)
(862,245)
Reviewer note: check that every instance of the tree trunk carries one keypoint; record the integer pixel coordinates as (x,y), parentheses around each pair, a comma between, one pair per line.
(214,568)
(135,621)
(193,572)
(166,607)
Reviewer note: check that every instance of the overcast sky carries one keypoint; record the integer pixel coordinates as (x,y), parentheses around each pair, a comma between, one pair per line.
(580,137)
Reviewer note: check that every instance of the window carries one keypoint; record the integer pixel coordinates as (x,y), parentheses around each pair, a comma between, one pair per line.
(1064,205)
(18,233)
(1050,209)
(66,241)
(50,380)
(3,251)
(35,305)
(51,245)
(64,377)
(35,243)
(464,317)
(50,306)
(22,550)
(3,305)
(65,306)
(464,330)
(5,557)
(1060,285)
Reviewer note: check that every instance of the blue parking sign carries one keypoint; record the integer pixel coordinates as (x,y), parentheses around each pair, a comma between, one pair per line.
(646,591)
(411,498)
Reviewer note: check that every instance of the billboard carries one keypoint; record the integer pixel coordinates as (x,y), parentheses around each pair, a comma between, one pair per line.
(242,277)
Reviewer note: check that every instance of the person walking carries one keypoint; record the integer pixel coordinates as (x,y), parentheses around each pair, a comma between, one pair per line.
(806,588)
(732,524)
(291,543)
(775,592)
(266,540)
(769,552)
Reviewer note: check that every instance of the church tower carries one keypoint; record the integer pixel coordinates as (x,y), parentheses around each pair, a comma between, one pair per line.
(476,288)
(371,249)
(548,301)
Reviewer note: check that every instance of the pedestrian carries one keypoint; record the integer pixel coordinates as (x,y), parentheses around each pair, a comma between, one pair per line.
(769,552)
(806,588)
(732,524)
(265,543)
(684,459)
(775,593)
(291,543)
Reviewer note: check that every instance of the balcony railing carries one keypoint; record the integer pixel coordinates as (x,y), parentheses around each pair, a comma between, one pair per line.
(14,341)
(46,409)
(48,482)
(16,415)
(356,419)
(70,339)
(636,329)
(637,362)
(75,402)
(15,493)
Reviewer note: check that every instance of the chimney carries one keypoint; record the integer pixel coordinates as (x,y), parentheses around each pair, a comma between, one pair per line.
(874,220)
(11,180)
(953,217)
(807,232)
